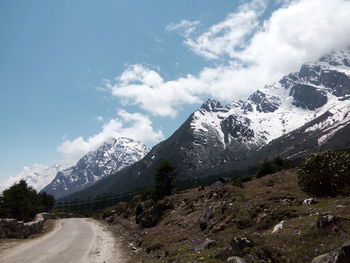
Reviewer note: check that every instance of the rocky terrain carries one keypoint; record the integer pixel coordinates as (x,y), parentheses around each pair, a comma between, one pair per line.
(263,220)
(111,157)
(303,112)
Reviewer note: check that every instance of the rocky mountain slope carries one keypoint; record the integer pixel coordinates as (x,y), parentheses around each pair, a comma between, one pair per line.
(302,112)
(263,220)
(111,157)
(37,176)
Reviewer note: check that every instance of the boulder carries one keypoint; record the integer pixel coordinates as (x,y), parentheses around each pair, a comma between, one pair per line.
(324,220)
(205,218)
(310,201)
(208,243)
(340,255)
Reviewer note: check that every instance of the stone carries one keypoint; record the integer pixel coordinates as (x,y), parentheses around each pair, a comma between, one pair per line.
(235,260)
(278,227)
(324,220)
(208,243)
(205,218)
(310,201)
(239,244)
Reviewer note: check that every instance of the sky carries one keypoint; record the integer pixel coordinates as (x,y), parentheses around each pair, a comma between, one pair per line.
(74,73)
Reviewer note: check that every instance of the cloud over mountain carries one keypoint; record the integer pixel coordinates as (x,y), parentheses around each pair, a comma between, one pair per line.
(256,50)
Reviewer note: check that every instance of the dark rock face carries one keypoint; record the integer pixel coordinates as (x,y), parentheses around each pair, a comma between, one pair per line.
(310,73)
(237,128)
(337,81)
(308,97)
(247,107)
(289,80)
(263,103)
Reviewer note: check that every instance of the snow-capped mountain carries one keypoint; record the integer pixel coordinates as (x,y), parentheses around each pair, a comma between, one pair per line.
(304,111)
(37,176)
(282,107)
(110,157)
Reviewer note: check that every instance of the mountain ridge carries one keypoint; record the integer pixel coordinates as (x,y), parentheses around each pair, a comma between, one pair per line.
(221,138)
(113,155)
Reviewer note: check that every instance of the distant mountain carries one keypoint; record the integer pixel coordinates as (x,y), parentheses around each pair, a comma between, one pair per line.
(111,157)
(37,176)
(306,108)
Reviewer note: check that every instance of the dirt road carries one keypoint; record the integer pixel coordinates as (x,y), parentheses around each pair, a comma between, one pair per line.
(78,240)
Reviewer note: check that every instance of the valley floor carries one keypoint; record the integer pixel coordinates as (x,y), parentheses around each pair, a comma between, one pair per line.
(71,240)
(205,224)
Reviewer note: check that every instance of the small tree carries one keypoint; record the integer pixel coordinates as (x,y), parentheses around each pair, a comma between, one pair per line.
(164,180)
(325,173)
(47,201)
(21,201)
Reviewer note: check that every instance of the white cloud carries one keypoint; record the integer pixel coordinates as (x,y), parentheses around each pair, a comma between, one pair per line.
(229,35)
(184,28)
(132,125)
(259,52)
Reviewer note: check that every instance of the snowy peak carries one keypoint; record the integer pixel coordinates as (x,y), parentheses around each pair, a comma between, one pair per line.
(212,105)
(37,176)
(112,156)
(279,108)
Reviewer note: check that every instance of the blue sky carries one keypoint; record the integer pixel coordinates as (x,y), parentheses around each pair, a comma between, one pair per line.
(60,62)
(55,53)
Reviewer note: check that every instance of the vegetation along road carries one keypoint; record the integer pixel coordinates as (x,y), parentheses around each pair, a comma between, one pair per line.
(72,240)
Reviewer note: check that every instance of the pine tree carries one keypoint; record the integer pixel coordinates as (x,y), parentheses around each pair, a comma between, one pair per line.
(164,180)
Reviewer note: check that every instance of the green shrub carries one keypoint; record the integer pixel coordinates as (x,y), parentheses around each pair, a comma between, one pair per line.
(325,173)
